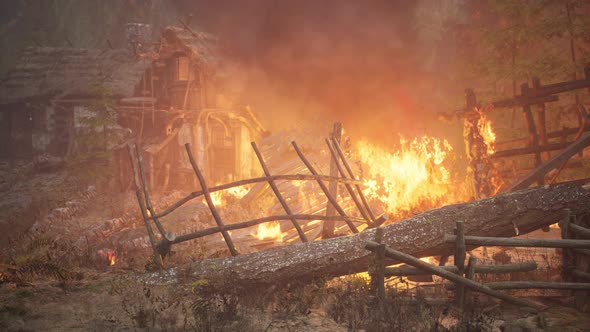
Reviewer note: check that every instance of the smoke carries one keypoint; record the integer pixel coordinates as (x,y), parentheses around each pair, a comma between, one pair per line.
(367,64)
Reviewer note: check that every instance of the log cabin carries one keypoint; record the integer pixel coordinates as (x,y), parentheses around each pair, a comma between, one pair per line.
(159,94)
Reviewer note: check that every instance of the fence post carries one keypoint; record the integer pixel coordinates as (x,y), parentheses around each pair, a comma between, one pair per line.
(377,283)
(469,273)
(460,258)
(377,268)
(328,225)
(566,254)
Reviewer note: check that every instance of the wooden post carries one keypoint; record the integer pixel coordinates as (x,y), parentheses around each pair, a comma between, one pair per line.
(146,193)
(469,273)
(331,198)
(157,259)
(278,194)
(566,254)
(472,285)
(541,118)
(377,268)
(347,186)
(328,226)
(533,136)
(351,175)
(207,194)
(460,258)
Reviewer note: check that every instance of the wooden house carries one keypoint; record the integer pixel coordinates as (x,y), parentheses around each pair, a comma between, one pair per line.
(161,97)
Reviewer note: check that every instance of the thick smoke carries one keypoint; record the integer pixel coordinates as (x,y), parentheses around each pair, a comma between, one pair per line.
(365,63)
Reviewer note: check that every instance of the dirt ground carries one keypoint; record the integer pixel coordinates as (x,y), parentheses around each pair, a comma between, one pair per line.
(58,285)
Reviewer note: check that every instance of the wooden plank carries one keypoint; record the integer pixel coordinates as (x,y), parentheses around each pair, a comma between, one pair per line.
(511,242)
(552,163)
(472,285)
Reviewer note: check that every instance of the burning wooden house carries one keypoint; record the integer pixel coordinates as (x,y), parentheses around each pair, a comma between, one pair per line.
(162,95)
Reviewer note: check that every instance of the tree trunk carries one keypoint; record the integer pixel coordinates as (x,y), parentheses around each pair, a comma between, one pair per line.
(420,236)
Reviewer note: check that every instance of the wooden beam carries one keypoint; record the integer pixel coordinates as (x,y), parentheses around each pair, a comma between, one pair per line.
(552,163)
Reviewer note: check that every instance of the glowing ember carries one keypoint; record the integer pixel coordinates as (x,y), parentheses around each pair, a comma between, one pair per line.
(487,133)
(220,198)
(269,231)
(412,178)
(108,255)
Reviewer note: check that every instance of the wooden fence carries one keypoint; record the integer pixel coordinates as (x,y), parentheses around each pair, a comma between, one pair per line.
(462,275)
(162,243)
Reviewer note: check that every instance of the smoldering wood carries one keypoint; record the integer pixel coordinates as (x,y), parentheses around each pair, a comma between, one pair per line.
(510,242)
(537,285)
(421,235)
(278,194)
(472,285)
(480,269)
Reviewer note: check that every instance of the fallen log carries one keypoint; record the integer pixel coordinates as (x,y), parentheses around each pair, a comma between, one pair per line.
(421,235)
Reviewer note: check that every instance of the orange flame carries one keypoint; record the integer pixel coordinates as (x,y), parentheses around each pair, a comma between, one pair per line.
(410,179)
(487,133)
(269,231)
(109,255)
(112,258)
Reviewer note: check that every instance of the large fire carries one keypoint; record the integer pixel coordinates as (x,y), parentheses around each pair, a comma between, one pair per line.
(411,178)
(269,231)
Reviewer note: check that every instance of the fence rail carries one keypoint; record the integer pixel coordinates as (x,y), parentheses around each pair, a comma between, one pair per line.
(161,244)
(461,276)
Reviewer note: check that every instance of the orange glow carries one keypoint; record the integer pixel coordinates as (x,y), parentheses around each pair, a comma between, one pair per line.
(220,198)
(411,178)
(269,231)
(487,133)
